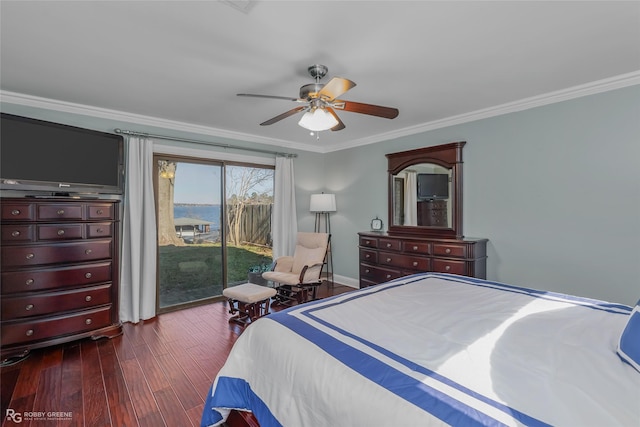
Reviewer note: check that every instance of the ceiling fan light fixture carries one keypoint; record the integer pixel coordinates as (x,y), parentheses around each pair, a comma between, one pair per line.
(318,120)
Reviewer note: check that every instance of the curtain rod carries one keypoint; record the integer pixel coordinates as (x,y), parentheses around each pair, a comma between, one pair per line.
(195,141)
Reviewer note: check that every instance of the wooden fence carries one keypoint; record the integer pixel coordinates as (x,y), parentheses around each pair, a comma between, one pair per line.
(255,224)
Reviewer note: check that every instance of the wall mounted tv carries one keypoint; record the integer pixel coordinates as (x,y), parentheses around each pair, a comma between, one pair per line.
(433,186)
(42,156)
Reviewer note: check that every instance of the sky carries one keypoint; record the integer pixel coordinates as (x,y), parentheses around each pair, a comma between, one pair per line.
(200,184)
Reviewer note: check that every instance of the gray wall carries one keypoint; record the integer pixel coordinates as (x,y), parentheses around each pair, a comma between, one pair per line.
(555,189)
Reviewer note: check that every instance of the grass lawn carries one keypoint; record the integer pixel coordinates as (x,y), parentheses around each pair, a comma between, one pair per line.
(193,272)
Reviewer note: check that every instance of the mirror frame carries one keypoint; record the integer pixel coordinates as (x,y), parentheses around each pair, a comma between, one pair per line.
(446,155)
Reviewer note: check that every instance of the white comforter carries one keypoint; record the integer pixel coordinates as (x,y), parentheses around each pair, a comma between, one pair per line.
(430,350)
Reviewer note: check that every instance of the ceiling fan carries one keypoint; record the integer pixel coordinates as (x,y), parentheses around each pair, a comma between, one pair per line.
(320,102)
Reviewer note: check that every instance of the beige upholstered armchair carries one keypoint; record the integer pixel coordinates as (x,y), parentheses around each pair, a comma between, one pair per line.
(294,276)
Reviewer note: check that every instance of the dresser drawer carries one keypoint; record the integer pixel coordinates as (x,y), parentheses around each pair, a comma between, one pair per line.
(55,302)
(60,211)
(449,266)
(40,329)
(390,244)
(60,231)
(450,249)
(370,242)
(101,229)
(368,255)
(416,247)
(55,278)
(17,211)
(17,233)
(379,274)
(96,211)
(18,256)
(404,261)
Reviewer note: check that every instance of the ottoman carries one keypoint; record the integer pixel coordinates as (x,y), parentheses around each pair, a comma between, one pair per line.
(248,302)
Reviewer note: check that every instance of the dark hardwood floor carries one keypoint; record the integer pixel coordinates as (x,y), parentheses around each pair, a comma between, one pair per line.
(157,373)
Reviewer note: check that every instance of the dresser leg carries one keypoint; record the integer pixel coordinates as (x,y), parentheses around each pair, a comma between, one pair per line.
(14,359)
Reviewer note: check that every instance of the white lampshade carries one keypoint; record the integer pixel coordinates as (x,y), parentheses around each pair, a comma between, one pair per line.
(323,203)
(318,120)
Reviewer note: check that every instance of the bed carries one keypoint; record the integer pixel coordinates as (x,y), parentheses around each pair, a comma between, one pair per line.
(434,349)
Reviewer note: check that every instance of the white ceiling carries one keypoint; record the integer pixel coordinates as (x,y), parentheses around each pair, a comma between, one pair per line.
(180,64)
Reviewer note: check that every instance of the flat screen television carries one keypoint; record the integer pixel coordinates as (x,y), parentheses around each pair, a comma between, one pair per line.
(433,186)
(36,155)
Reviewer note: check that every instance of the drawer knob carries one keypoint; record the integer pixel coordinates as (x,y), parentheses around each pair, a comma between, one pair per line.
(99,211)
(447,251)
(388,245)
(29,282)
(447,267)
(29,307)
(368,242)
(415,263)
(15,212)
(367,256)
(388,259)
(29,332)
(88,275)
(88,298)
(60,232)
(415,248)
(15,233)
(60,212)
(99,230)
(88,321)
(88,251)
(367,270)
(30,256)
(388,276)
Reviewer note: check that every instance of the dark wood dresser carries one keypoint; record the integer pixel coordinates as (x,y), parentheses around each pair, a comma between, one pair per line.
(384,257)
(59,272)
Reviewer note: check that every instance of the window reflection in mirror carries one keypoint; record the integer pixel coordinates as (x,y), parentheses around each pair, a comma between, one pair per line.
(422,196)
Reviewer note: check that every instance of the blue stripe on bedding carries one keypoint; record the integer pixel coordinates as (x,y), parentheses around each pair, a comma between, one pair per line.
(554,296)
(236,393)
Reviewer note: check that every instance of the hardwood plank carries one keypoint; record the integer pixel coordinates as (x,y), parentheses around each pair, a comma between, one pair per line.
(8,381)
(96,412)
(48,395)
(119,401)
(71,392)
(172,411)
(141,395)
(151,369)
(180,384)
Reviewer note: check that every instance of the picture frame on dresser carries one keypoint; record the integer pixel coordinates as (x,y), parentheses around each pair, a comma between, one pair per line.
(424,234)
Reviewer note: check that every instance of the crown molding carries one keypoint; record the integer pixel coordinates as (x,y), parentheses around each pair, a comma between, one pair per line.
(592,88)
(605,85)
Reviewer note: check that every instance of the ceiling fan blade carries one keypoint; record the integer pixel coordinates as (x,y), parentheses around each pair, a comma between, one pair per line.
(283,116)
(286,98)
(340,125)
(370,109)
(336,87)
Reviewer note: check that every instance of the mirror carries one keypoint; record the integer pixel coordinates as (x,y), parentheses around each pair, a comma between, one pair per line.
(425,191)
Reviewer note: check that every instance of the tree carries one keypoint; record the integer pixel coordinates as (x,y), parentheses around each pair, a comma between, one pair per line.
(243,184)
(166,221)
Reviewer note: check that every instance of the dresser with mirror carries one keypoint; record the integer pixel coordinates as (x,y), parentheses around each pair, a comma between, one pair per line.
(425,220)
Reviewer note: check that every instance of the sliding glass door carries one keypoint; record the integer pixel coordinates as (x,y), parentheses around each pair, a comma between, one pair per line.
(190,254)
(214,227)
